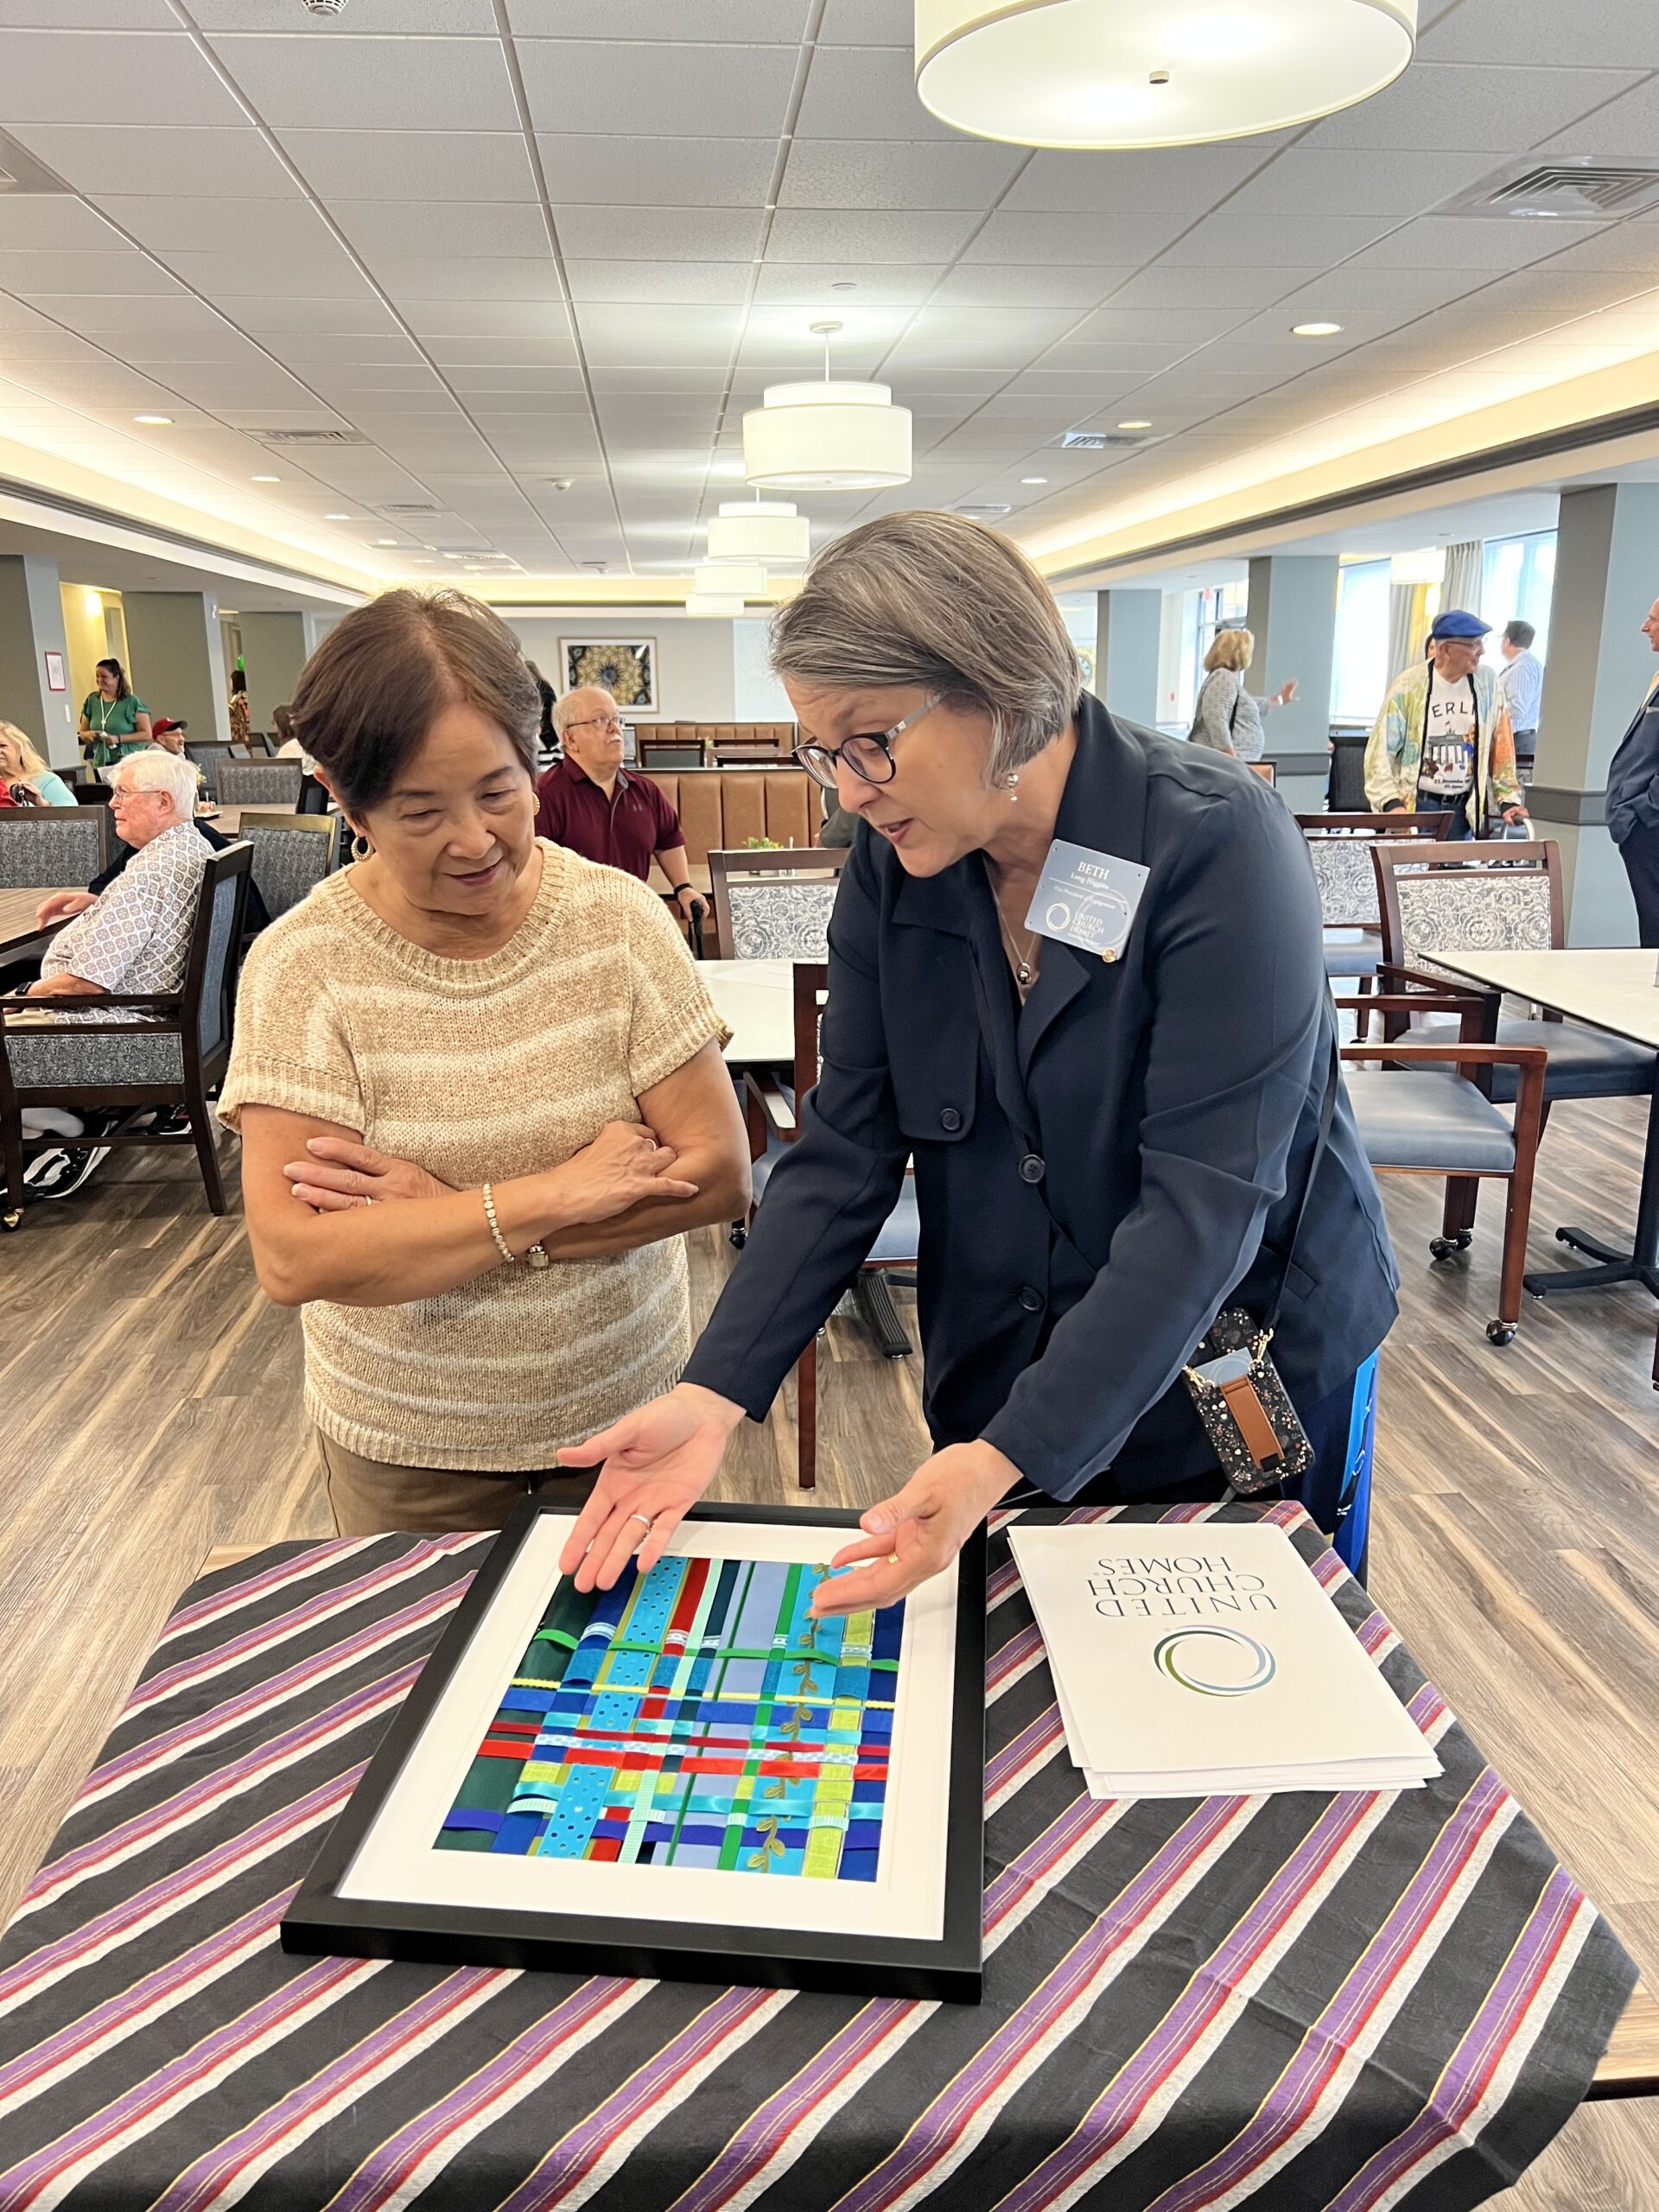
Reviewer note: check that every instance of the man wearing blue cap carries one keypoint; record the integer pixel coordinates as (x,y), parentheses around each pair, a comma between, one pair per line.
(1443,743)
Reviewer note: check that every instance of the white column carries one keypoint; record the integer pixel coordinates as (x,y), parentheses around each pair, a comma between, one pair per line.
(33,652)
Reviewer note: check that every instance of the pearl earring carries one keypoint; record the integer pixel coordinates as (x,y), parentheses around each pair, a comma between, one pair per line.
(1010,784)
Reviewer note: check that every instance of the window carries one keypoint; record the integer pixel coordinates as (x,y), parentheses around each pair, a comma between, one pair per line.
(1517,583)
(1204,612)
(1361,673)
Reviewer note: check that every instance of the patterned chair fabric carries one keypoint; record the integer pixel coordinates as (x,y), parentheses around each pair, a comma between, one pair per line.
(217,997)
(50,849)
(259,783)
(47,1060)
(780,921)
(1346,880)
(287,863)
(1480,910)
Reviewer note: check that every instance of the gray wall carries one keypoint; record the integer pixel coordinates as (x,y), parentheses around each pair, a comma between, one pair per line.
(177,658)
(1293,613)
(31,626)
(694,656)
(1127,628)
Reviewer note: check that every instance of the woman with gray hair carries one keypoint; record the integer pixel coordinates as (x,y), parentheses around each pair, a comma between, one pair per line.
(1226,718)
(1075,975)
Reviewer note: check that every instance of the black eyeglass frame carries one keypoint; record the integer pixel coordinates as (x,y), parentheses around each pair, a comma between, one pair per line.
(819,760)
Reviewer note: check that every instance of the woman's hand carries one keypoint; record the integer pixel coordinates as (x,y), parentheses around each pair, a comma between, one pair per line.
(1286,692)
(339,1173)
(658,1460)
(918,1533)
(623,1167)
(61,905)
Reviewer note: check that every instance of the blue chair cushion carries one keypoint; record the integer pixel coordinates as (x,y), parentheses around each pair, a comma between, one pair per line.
(1428,1118)
(1583,1062)
(1354,955)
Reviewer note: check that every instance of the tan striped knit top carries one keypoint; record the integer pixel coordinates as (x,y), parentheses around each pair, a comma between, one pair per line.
(482,1070)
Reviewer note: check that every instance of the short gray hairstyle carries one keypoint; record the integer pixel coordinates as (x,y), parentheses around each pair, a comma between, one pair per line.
(933,599)
(564,711)
(157,771)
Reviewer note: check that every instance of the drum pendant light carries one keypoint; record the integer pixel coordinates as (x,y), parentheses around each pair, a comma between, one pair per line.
(730,604)
(1111,75)
(740,579)
(770,531)
(827,436)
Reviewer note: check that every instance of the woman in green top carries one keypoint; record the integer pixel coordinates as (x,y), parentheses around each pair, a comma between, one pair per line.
(114,718)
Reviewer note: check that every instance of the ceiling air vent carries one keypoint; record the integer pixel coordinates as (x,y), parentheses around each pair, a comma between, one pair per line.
(1095,441)
(984,514)
(309,437)
(411,507)
(1585,190)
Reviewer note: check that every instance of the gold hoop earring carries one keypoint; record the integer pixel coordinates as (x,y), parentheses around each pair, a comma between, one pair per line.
(361,848)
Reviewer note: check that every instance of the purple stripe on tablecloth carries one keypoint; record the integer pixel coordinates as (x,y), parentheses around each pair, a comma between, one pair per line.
(571,2160)
(1037,1736)
(20,2183)
(359,1706)
(204,2179)
(758,2139)
(318,1803)
(1172,2042)
(314,1559)
(944,2116)
(1021,1874)
(1025,1643)
(386,2168)
(1295,2098)
(1502,2015)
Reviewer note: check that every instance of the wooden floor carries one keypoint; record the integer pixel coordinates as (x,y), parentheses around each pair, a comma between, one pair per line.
(150,1401)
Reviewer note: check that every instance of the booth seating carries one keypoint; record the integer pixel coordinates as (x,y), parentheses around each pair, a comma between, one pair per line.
(706,739)
(722,809)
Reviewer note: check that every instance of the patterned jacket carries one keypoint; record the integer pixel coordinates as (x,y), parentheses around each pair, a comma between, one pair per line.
(1396,750)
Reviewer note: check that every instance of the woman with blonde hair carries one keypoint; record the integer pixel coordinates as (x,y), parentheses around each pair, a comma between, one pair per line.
(1226,718)
(22,770)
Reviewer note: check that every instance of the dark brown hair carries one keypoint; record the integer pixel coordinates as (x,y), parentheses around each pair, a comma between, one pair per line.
(374,688)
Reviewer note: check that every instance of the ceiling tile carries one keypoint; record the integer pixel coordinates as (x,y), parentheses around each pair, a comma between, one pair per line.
(221,224)
(1470,242)
(1500,106)
(35,223)
(320,272)
(365,318)
(668,283)
(95,314)
(162,77)
(668,381)
(492,350)
(743,89)
(1624,129)
(89,15)
(542,324)
(644,234)
(890,173)
(636,336)
(730,22)
(1609,30)
(120,159)
(813,234)
(474,165)
(1357,182)
(122,271)
(865,91)
(1008,285)
(1627,245)
(428,18)
(1224,240)
(1173,284)
(532,379)
(587,168)
(307,83)
(1172,180)
(491,276)
(1074,240)
(812,284)
(465,229)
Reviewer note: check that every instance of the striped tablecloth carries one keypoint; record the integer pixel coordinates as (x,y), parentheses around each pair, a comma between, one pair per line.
(1292,2002)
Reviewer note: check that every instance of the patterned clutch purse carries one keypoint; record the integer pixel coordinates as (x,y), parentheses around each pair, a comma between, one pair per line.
(1246,1411)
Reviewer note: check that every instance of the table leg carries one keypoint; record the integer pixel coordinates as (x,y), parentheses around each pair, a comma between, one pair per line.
(1640,1265)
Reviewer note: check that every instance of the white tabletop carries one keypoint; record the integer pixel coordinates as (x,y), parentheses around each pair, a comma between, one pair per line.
(1616,990)
(755,998)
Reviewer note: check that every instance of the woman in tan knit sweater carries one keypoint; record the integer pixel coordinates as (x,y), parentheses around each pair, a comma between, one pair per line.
(480,1090)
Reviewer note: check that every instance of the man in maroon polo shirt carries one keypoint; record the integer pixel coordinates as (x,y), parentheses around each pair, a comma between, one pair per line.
(590,803)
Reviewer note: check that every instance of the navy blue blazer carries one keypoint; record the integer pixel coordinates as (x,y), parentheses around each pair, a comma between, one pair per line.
(1097,1173)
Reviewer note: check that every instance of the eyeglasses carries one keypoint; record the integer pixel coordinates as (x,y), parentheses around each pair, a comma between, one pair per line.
(868,755)
(597,721)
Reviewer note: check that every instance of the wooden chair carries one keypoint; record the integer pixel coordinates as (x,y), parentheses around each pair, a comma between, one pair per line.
(1339,845)
(671,752)
(53,848)
(773,1114)
(1265,769)
(292,853)
(259,783)
(775,905)
(172,1057)
(1423,1114)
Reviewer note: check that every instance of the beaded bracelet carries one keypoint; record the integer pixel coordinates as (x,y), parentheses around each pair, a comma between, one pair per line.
(536,1255)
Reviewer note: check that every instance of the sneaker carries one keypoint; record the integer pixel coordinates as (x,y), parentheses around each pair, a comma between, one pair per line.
(58,1173)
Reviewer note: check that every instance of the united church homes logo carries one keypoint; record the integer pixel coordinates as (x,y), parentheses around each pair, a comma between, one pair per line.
(1215,1662)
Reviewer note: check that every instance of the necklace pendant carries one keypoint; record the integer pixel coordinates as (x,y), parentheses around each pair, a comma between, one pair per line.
(1024,973)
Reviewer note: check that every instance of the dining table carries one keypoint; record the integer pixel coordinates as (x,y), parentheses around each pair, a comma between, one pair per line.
(19,931)
(755,999)
(1612,988)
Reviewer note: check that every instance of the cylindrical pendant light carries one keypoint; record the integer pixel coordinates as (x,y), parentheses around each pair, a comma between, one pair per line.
(730,604)
(1106,75)
(826,437)
(1427,566)
(732,579)
(768,530)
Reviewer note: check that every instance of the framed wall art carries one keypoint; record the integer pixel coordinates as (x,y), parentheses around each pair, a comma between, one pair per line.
(625,667)
(688,1776)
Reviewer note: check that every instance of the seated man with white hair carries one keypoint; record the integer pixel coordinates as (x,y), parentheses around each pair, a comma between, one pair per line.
(132,939)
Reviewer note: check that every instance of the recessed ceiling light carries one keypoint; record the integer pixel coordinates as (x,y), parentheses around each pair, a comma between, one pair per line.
(336,518)
(386,540)
(264,480)
(1314,329)
(1033,480)
(163,419)
(1136,425)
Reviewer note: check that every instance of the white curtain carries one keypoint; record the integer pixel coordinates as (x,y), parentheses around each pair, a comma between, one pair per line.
(1462,584)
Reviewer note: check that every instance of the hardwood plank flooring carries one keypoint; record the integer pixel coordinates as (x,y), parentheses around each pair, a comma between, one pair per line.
(150,1401)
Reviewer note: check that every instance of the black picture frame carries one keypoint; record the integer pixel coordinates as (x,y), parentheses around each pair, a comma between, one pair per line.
(320,1919)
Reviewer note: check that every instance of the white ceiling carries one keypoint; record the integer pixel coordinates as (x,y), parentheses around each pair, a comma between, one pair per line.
(504,241)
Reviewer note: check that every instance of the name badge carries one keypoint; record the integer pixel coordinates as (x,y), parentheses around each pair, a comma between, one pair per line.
(1087,899)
